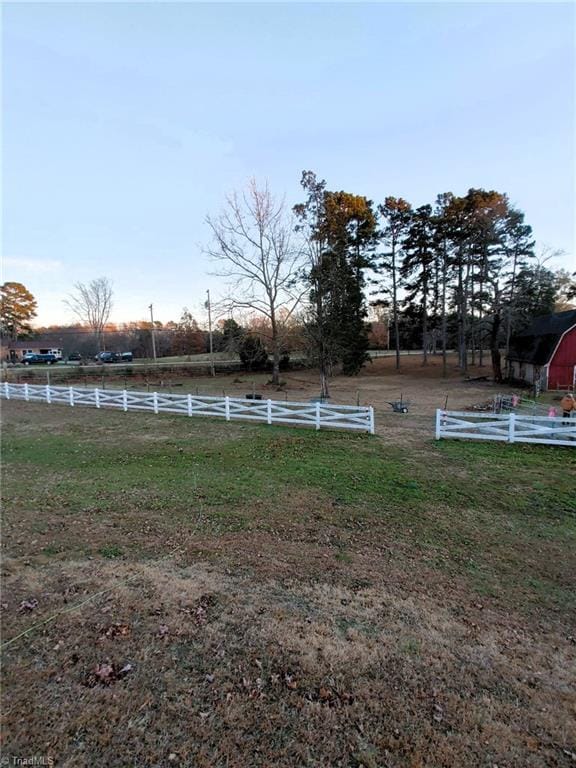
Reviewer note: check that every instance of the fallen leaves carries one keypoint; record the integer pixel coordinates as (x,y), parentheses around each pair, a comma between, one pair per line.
(108,673)
(28,605)
(116,630)
(200,611)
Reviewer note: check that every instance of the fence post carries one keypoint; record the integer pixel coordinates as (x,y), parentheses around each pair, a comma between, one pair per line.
(7,390)
(318,415)
(269,411)
(26,395)
(371,420)
(71,390)
(227,407)
(155,400)
(438,422)
(189,405)
(48,397)
(97,397)
(125,400)
(511,425)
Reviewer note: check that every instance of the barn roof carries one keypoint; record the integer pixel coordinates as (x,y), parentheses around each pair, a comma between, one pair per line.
(537,343)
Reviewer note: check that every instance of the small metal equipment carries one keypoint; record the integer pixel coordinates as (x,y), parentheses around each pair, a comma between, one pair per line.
(400,406)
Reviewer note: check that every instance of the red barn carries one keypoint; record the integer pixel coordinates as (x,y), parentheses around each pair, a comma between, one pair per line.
(545,352)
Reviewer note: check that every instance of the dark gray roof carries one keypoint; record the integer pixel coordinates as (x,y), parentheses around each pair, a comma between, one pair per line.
(537,343)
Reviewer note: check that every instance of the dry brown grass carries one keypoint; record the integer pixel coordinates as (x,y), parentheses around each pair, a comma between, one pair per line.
(238,668)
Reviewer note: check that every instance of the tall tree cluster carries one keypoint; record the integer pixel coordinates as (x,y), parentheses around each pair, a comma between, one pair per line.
(463,269)
(457,273)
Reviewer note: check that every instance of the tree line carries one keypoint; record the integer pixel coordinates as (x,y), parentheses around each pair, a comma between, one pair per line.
(327,275)
(461,272)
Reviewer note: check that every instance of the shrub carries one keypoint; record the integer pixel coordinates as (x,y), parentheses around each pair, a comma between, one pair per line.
(253,354)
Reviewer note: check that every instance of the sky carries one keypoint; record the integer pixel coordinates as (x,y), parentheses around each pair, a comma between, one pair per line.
(125,124)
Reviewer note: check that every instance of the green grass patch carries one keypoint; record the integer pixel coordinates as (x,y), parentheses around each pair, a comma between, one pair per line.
(111,551)
(502,516)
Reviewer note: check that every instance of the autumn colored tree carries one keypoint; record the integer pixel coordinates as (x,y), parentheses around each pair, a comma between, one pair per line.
(17,308)
(188,338)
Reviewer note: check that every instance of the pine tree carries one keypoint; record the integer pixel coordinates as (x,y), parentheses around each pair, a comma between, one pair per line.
(535,294)
(395,213)
(232,335)
(518,245)
(441,226)
(418,265)
(340,232)
(351,238)
(310,216)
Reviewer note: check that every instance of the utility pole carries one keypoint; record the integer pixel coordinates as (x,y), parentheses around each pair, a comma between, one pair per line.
(212,371)
(153,334)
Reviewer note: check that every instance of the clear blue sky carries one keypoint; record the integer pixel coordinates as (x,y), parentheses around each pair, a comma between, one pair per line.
(125,124)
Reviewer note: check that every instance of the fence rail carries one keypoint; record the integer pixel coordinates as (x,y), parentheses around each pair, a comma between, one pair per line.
(317,415)
(511,427)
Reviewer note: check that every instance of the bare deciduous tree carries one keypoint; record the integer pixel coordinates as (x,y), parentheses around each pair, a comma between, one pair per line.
(253,240)
(92,304)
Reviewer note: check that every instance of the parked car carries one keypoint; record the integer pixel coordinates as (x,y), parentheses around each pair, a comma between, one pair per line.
(127,357)
(106,357)
(33,358)
(74,357)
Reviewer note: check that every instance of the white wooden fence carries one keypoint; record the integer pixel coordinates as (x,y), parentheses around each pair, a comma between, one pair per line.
(316,415)
(511,427)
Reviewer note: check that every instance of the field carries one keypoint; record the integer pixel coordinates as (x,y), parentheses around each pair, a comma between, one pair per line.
(242,595)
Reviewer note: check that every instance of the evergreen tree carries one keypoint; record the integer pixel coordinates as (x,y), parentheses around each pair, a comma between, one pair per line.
(535,294)
(487,216)
(340,232)
(395,213)
(232,335)
(518,245)
(418,265)
(310,216)
(351,238)
(253,353)
(441,226)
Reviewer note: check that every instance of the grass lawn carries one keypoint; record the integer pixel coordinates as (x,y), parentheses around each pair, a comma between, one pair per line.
(283,597)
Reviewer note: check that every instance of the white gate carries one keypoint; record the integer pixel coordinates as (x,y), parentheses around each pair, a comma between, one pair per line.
(511,427)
